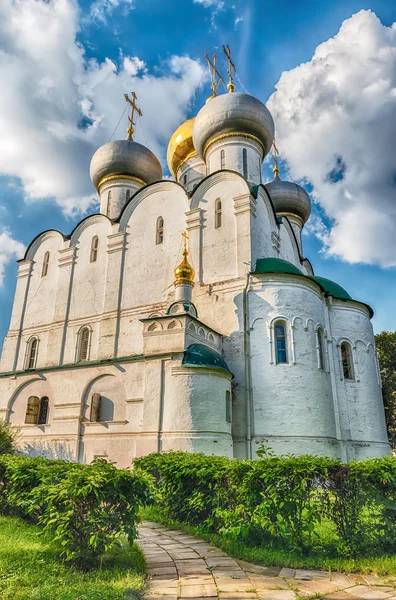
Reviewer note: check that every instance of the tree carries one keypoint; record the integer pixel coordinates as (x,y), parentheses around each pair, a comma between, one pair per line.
(386,347)
(8,438)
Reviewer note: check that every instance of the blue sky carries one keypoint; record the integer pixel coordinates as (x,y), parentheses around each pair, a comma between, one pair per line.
(80,72)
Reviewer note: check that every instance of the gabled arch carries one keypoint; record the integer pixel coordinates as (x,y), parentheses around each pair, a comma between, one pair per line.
(146,192)
(40,239)
(215,178)
(85,223)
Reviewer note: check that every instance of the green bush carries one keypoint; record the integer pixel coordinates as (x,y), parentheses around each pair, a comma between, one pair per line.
(8,438)
(87,507)
(283,501)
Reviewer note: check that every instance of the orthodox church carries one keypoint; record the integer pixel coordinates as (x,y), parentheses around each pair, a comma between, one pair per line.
(185,316)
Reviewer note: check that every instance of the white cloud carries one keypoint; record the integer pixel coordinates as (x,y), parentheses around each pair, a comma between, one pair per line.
(101,9)
(237,21)
(9,249)
(336,126)
(219,4)
(51,91)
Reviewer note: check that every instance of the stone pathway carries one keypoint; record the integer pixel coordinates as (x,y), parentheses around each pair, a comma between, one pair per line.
(182,566)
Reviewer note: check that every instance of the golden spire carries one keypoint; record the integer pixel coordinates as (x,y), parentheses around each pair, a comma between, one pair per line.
(132,102)
(230,70)
(276,154)
(214,73)
(184,273)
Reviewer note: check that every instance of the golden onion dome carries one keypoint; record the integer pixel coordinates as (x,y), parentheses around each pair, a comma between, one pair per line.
(184,273)
(181,146)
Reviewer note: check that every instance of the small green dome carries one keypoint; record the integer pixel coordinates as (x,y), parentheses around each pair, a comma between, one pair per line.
(331,288)
(198,355)
(275,265)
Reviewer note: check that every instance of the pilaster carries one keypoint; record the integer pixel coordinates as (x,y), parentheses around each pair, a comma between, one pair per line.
(244,210)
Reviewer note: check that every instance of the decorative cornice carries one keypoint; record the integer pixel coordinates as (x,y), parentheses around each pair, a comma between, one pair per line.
(248,136)
(66,256)
(119,176)
(193,219)
(116,242)
(25,269)
(245,203)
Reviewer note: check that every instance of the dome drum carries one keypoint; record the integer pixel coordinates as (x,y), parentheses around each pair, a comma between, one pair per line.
(289,199)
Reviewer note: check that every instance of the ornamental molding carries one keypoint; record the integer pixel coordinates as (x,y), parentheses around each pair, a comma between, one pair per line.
(245,203)
(67,256)
(116,242)
(25,268)
(194,219)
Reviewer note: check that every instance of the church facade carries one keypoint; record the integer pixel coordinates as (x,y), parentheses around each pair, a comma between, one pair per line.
(184,314)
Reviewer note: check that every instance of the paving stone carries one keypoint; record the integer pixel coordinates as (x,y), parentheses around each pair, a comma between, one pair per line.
(309,588)
(193,579)
(222,562)
(268,583)
(306,575)
(276,595)
(288,573)
(203,590)
(339,596)
(228,573)
(368,593)
(238,595)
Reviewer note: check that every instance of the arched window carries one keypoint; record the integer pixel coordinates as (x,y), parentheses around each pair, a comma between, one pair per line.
(83,344)
(36,411)
(321,349)
(159,238)
(244,163)
(185,179)
(108,209)
(94,248)
(218,214)
(228,407)
(347,362)
(280,343)
(43,414)
(127,195)
(44,270)
(31,354)
(222,159)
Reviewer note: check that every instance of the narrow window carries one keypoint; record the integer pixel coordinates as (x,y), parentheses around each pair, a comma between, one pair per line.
(95,407)
(280,343)
(32,410)
(347,364)
(32,353)
(43,413)
(127,195)
(208,168)
(228,406)
(108,210)
(94,248)
(160,231)
(218,214)
(185,179)
(321,350)
(84,344)
(222,159)
(244,163)
(44,270)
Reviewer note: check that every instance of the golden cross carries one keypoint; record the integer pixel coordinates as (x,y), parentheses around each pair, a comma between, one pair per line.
(132,102)
(214,73)
(276,155)
(185,238)
(231,68)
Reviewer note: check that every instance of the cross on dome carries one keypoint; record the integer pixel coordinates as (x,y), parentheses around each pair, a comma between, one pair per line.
(134,108)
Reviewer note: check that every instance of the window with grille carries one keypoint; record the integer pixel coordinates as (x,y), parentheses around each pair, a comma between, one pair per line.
(244,163)
(31,356)
(280,343)
(37,410)
(160,231)
(94,249)
(44,270)
(321,349)
(347,362)
(218,214)
(108,210)
(222,159)
(84,343)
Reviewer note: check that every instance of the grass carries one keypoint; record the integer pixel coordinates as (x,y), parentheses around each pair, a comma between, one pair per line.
(265,555)
(30,569)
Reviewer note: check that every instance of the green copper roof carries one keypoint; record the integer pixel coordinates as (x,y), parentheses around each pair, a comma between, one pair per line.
(278,265)
(275,265)
(332,288)
(198,355)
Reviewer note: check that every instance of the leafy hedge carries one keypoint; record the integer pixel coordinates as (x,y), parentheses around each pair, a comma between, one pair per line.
(87,507)
(294,501)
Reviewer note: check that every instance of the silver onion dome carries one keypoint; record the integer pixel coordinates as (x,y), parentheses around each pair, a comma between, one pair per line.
(232,114)
(125,157)
(289,198)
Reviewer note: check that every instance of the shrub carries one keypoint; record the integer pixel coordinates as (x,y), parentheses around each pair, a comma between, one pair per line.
(87,507)
(283,501)
(8,438)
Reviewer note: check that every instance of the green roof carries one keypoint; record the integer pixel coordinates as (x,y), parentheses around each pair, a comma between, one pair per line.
(332,288)
(198,355)
(275,265)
